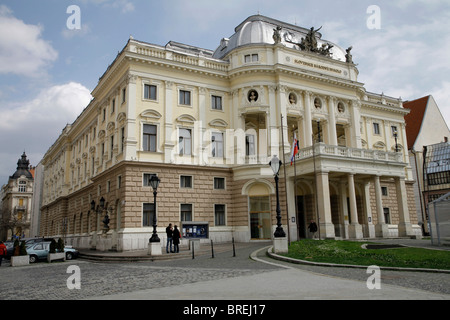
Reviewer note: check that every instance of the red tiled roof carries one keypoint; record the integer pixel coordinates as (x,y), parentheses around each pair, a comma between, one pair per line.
(414,118)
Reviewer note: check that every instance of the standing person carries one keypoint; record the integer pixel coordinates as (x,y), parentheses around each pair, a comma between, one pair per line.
(176,239)
(169,232)
(3,251)
(312,229)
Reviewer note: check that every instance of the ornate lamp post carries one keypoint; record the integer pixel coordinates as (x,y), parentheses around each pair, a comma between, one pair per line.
(395,137)
(100,209)
(154,182)
(275,164)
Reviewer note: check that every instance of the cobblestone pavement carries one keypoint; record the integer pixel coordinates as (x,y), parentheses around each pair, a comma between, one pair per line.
(49,281)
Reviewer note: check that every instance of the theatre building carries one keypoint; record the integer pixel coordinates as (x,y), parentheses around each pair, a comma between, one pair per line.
(207,123)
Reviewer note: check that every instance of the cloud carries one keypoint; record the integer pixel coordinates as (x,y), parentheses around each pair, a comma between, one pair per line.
(22,49)
(35,125)
(125,5)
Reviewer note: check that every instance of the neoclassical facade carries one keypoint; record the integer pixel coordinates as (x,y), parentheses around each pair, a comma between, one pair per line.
(207,124)
(15,215)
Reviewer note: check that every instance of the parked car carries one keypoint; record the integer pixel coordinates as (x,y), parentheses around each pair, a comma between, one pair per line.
(35,240)
(10,248)
(39,251)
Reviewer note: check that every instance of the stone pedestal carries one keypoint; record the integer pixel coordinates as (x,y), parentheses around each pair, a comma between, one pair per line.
(280,245)
(382,230)
(355,231)
(154,249)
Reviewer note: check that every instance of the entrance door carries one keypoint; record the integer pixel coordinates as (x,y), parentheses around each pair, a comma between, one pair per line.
(301,217)
(260,225)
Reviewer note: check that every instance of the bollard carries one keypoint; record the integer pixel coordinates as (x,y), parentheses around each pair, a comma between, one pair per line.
(234,251)
(193,249)
(212,250)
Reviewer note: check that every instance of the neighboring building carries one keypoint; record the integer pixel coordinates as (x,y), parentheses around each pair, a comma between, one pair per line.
(207,124)
(16,201)
(425,126)
(36,201)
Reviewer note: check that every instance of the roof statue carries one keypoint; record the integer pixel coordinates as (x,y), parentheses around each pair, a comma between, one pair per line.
(348,55)
(309,43)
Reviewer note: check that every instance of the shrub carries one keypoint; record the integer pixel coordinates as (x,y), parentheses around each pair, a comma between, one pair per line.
(60,245)
(53,246)
(23,249)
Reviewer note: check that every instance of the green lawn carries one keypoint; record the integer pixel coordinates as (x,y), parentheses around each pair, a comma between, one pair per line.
(351,252)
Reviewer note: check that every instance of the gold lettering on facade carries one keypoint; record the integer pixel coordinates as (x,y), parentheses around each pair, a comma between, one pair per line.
(318,66)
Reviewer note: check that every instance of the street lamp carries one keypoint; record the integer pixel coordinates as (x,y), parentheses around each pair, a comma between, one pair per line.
(275,164)
(154,182)
(395,137)
(102,207)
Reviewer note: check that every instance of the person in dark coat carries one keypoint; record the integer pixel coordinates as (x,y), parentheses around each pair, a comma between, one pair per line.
(176,239)
(312,229)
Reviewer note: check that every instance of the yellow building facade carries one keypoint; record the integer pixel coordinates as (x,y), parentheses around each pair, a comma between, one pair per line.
(207,124)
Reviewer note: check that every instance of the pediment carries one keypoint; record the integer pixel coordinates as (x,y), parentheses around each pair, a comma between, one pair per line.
(186,118)
(151,114)
(218,123)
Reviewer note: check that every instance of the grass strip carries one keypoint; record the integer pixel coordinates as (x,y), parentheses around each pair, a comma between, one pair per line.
(351,252)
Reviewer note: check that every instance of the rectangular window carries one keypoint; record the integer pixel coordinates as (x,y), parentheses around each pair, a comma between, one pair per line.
(113,105)
(217,144)
(249,145)
(111,151)
(147,177)
(186,212)
(376,128)
(216,103)
(124,95)
(149,138)
(185,142)
(219,183)
(387,215)
(149,92)
(148,210)
(384,191)
(185,97)
(185,181)
(119,182)
(251,58)
(219,214)
(394,130)
(122,139)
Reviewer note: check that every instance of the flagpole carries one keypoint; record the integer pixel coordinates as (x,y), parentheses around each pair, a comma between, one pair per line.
(295,188)
(285,183)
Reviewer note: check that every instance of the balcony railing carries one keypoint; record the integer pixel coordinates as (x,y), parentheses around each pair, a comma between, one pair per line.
(321,149)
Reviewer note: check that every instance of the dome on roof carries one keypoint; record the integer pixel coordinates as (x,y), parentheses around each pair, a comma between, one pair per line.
(260,30)
(23,166)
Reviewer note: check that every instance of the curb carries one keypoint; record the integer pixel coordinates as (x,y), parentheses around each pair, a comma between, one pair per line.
(272,255)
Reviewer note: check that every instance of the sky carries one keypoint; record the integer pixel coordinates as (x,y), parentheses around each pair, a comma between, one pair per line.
(51,56)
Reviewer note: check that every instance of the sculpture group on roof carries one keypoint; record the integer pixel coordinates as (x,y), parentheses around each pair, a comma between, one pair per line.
(309,43)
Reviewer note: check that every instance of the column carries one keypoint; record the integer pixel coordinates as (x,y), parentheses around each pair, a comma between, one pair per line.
(343,206)
(273,117)
(332,137)
(354,229)
(404,225)
(356,126)
(368,209)
(381,228)
(307,134)
(130,129)
(169,141)
(324,206)
(281,97)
